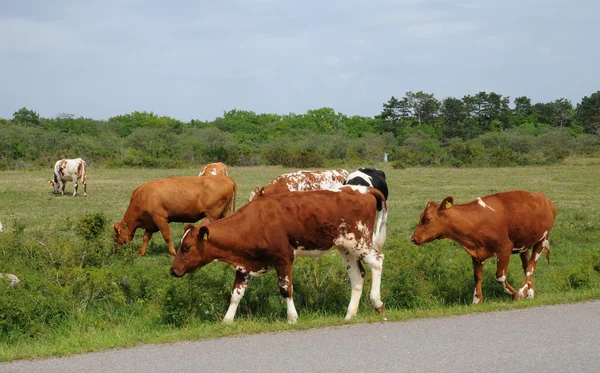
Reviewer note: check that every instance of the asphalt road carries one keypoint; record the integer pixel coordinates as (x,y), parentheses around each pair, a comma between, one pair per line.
(561,338)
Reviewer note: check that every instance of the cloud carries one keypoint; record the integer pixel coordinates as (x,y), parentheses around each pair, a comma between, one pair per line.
(191,59)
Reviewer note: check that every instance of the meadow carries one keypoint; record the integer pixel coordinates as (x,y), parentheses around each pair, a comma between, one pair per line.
(77,294)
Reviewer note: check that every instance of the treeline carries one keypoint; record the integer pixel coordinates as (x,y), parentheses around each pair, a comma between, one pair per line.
(477,130)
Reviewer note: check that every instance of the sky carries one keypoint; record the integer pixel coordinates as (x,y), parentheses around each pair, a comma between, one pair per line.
(196,59)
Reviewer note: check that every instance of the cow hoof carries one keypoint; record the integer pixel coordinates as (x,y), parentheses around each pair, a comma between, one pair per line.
(530,294)
(380,309)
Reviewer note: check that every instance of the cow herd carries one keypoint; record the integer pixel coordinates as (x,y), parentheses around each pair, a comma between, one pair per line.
(308,213)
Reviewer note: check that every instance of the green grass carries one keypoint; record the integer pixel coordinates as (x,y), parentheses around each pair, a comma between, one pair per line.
(77,296)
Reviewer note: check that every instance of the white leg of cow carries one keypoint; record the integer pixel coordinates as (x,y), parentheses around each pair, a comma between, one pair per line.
(292,314)
(239,288)
(61,186)
(75,186)
(478,276)
(357,277)
(286,288)
(374,259)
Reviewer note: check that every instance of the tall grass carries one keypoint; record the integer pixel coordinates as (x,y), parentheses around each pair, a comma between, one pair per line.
(76,294)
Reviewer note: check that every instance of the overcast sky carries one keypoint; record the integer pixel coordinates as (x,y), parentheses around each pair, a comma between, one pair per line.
(196,59)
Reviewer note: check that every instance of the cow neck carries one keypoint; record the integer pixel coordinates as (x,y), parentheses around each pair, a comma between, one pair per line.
(131,224)
(461,225)
(223,246)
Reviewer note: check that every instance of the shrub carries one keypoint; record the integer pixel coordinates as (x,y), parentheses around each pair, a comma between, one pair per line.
(303,159)
(90,226)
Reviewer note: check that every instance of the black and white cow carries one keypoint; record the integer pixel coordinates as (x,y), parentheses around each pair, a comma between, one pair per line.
(369,177)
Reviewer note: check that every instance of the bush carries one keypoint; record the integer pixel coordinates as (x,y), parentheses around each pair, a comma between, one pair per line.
(303,159)
(90,226)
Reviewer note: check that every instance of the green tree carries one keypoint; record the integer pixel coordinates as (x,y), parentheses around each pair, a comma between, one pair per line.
(453,115)
(424,106)
(588,113)
(26,116)
(392,116)
(523,106)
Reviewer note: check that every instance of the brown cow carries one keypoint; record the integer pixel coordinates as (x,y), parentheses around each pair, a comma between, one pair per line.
(271,231)
(497,225)
(155,204)
(302,180)
(214,169)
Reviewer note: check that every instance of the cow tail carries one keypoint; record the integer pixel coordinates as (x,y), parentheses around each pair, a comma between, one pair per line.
(380,231)
(547,249)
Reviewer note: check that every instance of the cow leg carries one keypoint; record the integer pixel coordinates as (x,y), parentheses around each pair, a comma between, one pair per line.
(503,260)
(531,266)
(284,275)
(163,227)
(84,182)
(239,287)
(147,236)
(478,275)
(75,186)
(356,272)
(374,259)
(61,185)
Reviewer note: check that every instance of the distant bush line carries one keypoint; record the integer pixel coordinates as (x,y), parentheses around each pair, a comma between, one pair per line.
(416,130)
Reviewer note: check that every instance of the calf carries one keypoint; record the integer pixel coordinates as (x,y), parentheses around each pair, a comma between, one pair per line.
(69,170)
(214,169)
(497,225)
(155,204)
(370,177)
(301,181)
(271,231)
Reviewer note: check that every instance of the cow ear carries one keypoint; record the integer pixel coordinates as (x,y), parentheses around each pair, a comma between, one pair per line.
(49,181)
(447,203)
(188,226)
(203,233)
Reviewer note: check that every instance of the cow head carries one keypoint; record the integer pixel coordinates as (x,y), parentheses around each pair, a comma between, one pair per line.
(258,192)
(54,184)
(190,255)
(432,224)
(121,233)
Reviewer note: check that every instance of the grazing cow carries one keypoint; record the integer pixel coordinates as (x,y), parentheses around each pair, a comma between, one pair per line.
(214,169)
(370,177)
(69,170)
(155,204)
(497,225)
(301,181)
(271,231)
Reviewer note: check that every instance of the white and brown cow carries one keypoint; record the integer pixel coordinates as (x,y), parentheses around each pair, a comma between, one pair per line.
(69,170)
(214,169)
(155,204)
(271,231)
(302,181)
(496,225)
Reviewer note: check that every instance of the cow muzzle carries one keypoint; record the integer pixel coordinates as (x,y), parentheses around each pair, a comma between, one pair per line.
(175,274)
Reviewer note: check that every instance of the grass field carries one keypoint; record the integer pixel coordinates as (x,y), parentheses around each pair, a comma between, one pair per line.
(108,300)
